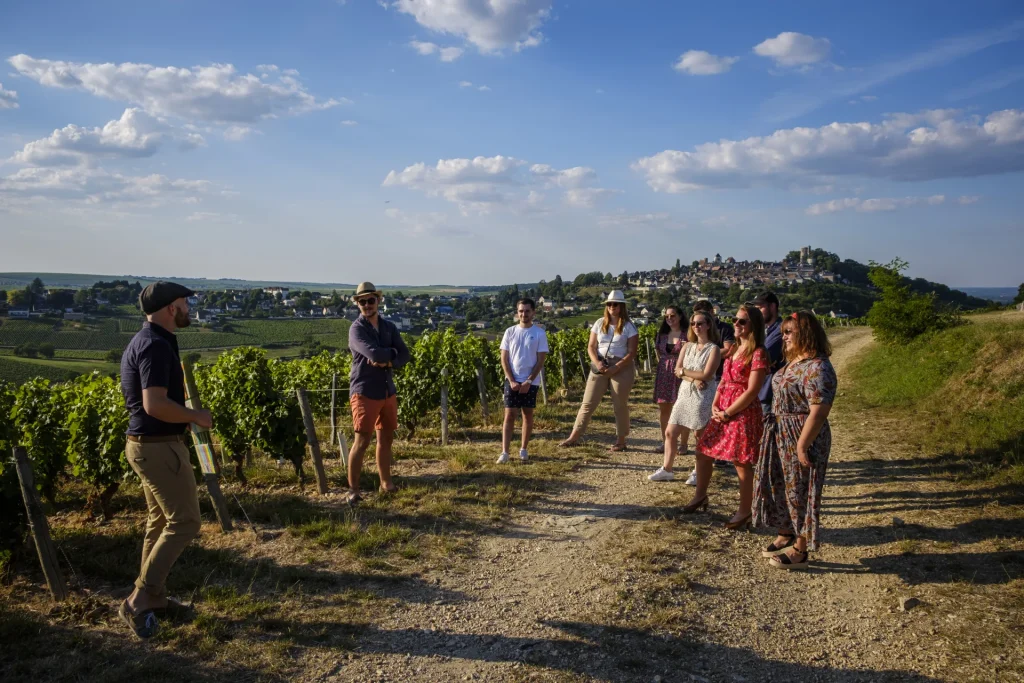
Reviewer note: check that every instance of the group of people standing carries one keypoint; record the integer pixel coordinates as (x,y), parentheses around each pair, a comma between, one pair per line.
(757,397)
(756,394)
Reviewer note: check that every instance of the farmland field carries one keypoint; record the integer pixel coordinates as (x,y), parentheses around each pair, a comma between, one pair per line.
(19,370)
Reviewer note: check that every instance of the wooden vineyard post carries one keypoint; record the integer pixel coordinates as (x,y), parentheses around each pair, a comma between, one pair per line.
(482,386)
(343,448)
(647,364)
(39,528)
(543,388)
(314,443)
(204,450)
(444,407)
(334,423)
(583,366)
(565,371)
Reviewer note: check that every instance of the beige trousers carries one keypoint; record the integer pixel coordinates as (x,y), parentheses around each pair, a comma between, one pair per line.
(173,521)
(620,385)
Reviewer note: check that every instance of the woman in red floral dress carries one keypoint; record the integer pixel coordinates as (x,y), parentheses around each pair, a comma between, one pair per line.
(734,433)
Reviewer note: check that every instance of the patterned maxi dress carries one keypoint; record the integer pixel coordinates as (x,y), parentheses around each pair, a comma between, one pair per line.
(693,407)
(738,439)
(786,495)
(666,384)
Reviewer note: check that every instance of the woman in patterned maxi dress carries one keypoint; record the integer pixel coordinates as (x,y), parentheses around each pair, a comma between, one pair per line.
(734,433)
(796,444)
(698,362)
(669,341)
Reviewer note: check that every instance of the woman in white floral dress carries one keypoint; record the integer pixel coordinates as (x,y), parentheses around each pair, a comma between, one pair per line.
(696,367)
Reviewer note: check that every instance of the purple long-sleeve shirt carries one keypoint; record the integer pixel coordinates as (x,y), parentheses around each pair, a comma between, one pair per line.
(368,344)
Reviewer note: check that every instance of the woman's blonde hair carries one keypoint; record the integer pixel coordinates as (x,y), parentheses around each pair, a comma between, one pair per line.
(709,320)
(809,338)
(754,340)
(620,324)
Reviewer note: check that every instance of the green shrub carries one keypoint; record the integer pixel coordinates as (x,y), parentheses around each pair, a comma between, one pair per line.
(901,315)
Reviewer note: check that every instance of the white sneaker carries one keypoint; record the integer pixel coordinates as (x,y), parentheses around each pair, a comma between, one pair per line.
(502,459)
(662,475)
(523,455)
(692,479)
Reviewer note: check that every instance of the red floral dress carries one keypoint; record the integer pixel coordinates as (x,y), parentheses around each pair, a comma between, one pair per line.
(737,440)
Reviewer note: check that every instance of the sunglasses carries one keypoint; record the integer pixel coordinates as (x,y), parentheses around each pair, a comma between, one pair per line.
(365,302)
(699,323)
(741,322)
(786,333)
(611,304)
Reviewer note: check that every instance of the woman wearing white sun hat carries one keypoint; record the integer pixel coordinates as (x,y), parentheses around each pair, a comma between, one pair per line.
(612,350)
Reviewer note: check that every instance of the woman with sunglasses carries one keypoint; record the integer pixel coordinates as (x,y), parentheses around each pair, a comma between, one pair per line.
(734,433)
(668,344)
(796,443)
(698,362)
(612,348)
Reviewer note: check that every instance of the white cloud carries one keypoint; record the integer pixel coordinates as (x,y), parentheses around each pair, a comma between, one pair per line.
(637,220)
(465,84)
(8,98)
(872,205)
(212,217)
(968,199)
(349,122)
(96,186)
(238,133)
(794,49)
(485,184)
(447,54)
(484,88)
(490,25)
(426,224)
(216,93)
(134,135)
(904,147)
(701,63)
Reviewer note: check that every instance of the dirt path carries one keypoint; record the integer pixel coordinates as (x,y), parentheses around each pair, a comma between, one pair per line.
(553,598)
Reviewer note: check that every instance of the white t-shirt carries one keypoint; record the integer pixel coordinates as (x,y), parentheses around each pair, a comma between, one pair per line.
(523,344)
(618,342)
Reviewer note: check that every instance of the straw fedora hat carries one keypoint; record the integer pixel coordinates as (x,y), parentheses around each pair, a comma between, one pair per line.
(615,297)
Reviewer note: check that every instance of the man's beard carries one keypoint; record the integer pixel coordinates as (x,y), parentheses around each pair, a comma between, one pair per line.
(181,318)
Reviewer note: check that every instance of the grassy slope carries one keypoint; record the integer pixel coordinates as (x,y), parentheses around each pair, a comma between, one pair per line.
(965,389)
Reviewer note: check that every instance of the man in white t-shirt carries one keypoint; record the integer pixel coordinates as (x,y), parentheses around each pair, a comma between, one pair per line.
(523,350)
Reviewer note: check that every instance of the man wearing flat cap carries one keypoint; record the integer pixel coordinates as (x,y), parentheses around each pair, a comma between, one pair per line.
(377,350)
(153,385)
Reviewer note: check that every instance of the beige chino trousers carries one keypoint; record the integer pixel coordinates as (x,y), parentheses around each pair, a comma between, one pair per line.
(620,384)
(173,504)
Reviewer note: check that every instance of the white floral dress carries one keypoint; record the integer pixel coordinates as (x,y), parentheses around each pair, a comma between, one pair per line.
(693,406)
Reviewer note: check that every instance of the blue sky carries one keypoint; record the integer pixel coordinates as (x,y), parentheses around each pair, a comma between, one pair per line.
(487,141)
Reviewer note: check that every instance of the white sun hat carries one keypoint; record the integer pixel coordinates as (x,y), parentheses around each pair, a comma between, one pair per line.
(615,297)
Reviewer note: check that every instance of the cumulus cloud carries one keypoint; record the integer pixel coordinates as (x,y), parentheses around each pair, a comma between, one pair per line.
(8,98)
(134,135)
(484,184)
(794,49)
(701,63)
(238,133)
(872,205)
(216,93)
(903,147)
(447,54)
(490,25)
(968,199)
(96,186)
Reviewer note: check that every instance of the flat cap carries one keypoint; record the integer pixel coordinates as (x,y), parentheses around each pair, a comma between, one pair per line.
(766,298)
(160,294)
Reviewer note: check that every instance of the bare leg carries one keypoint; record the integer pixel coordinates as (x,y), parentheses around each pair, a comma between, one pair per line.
(385,437)
(355,459)
(705,467)
(746,477)
(508,427)
(664,411)
(672,435)
(527,427)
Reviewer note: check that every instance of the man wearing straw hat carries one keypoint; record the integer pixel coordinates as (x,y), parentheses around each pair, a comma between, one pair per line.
(377,350)
(153,385)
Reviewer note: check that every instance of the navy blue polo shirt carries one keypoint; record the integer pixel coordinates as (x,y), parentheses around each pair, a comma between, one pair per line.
(151,360)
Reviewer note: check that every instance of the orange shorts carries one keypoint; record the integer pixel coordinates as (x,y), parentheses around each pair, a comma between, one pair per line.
(369,414)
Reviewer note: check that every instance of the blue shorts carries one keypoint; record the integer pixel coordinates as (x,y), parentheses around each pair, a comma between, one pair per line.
(514,399)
